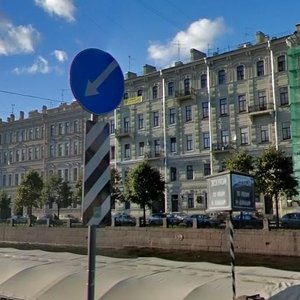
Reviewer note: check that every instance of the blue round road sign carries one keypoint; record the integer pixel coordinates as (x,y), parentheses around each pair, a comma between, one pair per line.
(96,81)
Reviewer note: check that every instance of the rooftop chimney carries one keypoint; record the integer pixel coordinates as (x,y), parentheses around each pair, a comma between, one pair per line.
(196,54)
(130,75)
(21,115)
(298,27)
(12,117)
(148,69)
(261,37)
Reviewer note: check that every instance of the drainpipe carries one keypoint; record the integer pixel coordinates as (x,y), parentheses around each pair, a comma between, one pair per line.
(274,96)
(165,140)
(209,114)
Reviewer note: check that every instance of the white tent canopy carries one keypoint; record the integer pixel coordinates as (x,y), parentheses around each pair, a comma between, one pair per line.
(35,274)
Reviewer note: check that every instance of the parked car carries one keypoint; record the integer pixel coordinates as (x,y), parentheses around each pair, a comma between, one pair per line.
(291,220)
(247,220)
(70,217)
(203,221)
(179,215)
(124,220)
(19,219)
(157,219)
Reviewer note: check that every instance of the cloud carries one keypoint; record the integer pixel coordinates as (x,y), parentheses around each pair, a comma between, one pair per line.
(60,55)
(17,39)
(40,65)
(198,35)
(62,8)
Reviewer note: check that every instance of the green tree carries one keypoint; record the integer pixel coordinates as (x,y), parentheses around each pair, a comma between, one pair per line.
(78,191)
(4,205)
(29,192)
(241,161)
(144,186)
(116,193)
(57,190)
(274,174)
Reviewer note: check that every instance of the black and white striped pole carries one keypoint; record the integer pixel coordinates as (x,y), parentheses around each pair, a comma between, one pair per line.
(232,255)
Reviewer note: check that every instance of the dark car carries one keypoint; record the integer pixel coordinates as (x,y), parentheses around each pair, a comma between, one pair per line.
(203,221)
(247,220)
(124,220)
(156,219)
(291,220)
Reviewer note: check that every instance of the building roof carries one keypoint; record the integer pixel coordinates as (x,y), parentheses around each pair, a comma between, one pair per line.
(35,274)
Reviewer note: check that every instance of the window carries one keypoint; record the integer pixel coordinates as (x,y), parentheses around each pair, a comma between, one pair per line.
(154,92)
(244,136)
(221,77)
(127,150)
(67,127)
(140,92)
(9,180)
(126,124)
(262,100)
(76,125)
(140,121)
(60,150)
(36,152)
(52,131)
(17,179)
(187,88)
(125,96)
(172,115)
(264,133)
(260,69)
(23,154)
(173,144)
(190,199)
(205,111)
(11,155)
(283,96)
(206,140)
(173,174)
(42,152)
(60,129)
(75,148)
(67,149)
(189,172)
(141,148)
(206,169)
(30,154)
(242,103)
(112,126)
(203,81)
(30,134)
(223,107)
(75,174)
(189,142)
(188,113)
(171,89)
(240,73)
(66,175)
(286,130)
(4,180)
(36,133)
(281,65)
(155,119)
(113,152)
(156,148)
(5,157)
(17,155)
(225,138)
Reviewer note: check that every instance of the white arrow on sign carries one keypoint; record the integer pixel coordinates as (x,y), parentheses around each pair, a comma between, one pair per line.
(92,86)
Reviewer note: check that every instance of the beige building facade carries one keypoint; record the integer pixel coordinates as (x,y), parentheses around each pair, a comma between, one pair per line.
(185,120)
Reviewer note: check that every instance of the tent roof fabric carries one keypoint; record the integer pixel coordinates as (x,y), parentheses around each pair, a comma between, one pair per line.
(35,274)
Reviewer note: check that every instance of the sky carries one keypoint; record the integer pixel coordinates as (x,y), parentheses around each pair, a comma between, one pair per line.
(40,38)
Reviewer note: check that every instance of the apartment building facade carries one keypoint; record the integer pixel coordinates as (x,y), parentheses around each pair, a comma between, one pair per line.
(185,120)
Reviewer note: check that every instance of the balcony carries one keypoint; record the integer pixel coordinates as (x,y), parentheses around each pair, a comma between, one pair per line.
(222,147)
(262,109)
(184,95)
(154,155)
(121,133)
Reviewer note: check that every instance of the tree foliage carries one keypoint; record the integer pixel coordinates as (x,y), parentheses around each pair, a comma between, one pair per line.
(57,190)
(144,186)
(29,192)
(116,187)
(241,161)
(77,199)
(4,205)
(274,174)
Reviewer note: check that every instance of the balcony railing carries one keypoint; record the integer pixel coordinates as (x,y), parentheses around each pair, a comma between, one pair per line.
(182,95)
(261,108)
(222,147)
(127,132)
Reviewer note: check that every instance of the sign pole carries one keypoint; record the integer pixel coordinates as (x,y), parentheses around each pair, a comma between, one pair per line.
(91,251)
(232,255)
